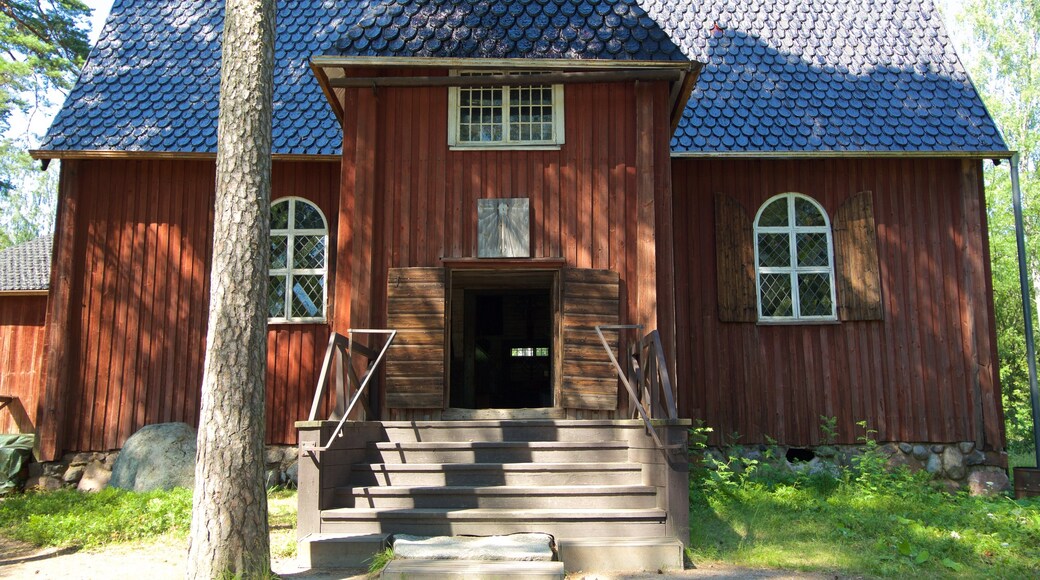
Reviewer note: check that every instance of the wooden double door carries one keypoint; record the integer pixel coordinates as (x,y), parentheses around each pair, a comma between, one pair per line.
(476,338)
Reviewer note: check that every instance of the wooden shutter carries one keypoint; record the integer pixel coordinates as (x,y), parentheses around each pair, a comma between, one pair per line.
(734,261)
(415,362)
(858,273)
(590,298)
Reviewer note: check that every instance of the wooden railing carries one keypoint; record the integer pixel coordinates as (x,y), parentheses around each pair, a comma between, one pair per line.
(340,365)
(646,378)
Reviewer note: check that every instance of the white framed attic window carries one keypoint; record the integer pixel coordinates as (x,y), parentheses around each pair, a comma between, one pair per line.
(298,268)
(517,117)
(794,260)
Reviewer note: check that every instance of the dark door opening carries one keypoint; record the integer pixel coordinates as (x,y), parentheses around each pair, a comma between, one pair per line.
(502,345)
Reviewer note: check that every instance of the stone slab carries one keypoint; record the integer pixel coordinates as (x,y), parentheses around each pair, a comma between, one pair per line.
(513,547)
(472,570)
(339,550)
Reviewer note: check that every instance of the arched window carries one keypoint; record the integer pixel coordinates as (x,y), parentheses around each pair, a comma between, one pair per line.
(794,260)
(299,262)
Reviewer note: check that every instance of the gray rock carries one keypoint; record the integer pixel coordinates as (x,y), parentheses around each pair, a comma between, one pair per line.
(937,448)
(43,483)
(826,451)
(934,465)
(920,452)
(158,456)
(889,449)
(908,461)
(81,458)
(953,463)
(966,447)
(273,455)
(95,478)
(819,467)
(988,482)
(35,469)
(292,475)
(906,448)
(110,459)
(72,474)
(975,458)
(272,477)
(517,547)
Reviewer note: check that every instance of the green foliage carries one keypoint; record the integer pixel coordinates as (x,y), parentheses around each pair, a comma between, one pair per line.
(380,560)
(866,521)
(1004,60)
(43,43)
(27,202)
(71,518)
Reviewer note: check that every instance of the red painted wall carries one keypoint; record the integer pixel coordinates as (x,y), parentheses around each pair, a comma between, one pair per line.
(21,359)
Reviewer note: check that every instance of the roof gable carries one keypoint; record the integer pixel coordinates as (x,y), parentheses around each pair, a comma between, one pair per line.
(781,77)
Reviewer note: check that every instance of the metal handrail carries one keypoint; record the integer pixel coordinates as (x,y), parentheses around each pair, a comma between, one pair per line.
(649,371)
(341,347)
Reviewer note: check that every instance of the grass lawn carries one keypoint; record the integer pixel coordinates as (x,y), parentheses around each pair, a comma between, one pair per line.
(884,527)
(89,520)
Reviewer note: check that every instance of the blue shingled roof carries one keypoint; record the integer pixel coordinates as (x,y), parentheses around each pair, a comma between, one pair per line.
(780,76)
(27,266)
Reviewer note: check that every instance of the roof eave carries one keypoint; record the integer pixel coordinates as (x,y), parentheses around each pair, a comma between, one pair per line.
(833,154)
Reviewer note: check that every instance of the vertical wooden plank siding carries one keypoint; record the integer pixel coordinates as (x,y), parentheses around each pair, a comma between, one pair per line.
(137,293)
(924,373)
(22,337)
(415,199)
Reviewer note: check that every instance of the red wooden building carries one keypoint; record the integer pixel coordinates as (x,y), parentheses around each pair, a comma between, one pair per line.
(790,194)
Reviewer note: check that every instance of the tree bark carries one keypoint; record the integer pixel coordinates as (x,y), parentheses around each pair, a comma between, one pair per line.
(229,534)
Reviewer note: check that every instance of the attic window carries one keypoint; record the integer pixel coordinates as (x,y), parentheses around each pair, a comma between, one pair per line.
(523,116)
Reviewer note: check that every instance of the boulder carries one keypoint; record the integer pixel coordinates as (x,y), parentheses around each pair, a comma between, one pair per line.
(988,482)
(953,463)
(292,475)
(73,473)
(95,477)
(934,465)
(43,483)
(966,447)
(906,448)
(921,453)
(156,457)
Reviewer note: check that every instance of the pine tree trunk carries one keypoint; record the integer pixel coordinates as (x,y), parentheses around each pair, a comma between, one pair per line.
(229,533)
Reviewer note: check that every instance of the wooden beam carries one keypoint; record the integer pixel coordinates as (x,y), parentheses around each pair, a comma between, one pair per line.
(499,80)
(50,414)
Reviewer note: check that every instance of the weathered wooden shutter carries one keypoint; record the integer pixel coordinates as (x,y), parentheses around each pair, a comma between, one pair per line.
(590,298)
(734,261)
(415,361)
(858,273)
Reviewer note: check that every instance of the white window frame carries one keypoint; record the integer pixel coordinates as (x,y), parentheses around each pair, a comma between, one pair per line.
(506,143)
(792,230)
(289,272)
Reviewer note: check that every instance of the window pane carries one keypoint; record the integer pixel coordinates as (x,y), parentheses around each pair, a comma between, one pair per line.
(812,249)
(276,297)
(279,252)
(814,294)
(776,295)
(308,296)
(308,217)
(774,250)
(806,214)
(309,252)
(775,214)
(280,215)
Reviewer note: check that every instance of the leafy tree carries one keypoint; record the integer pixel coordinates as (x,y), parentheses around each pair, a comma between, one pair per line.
(27,207)
(229,509)
(1004,59)
(43,45)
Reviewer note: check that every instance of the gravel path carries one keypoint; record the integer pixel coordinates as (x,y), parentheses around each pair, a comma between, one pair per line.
(164,560)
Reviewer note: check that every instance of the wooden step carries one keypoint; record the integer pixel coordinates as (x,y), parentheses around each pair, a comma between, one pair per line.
(472,570)
(647,522)
(498,452)
(492,474)
(588,554)
(513,430)
(500,497)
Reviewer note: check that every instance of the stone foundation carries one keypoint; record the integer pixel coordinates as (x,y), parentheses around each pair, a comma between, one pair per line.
(954,466)
(92,471)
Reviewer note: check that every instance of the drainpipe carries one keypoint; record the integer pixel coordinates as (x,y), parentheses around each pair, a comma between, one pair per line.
(1023,279)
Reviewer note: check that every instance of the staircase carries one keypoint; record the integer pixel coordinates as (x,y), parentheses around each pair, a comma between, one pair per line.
(601,488)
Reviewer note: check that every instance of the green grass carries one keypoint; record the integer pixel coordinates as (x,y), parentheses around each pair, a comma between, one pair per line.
(89,520)
(902,527)
(72,518)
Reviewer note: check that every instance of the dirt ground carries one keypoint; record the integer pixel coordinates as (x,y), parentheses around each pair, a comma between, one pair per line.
(164,560)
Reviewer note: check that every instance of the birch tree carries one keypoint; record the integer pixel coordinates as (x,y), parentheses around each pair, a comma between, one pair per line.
(229,535)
